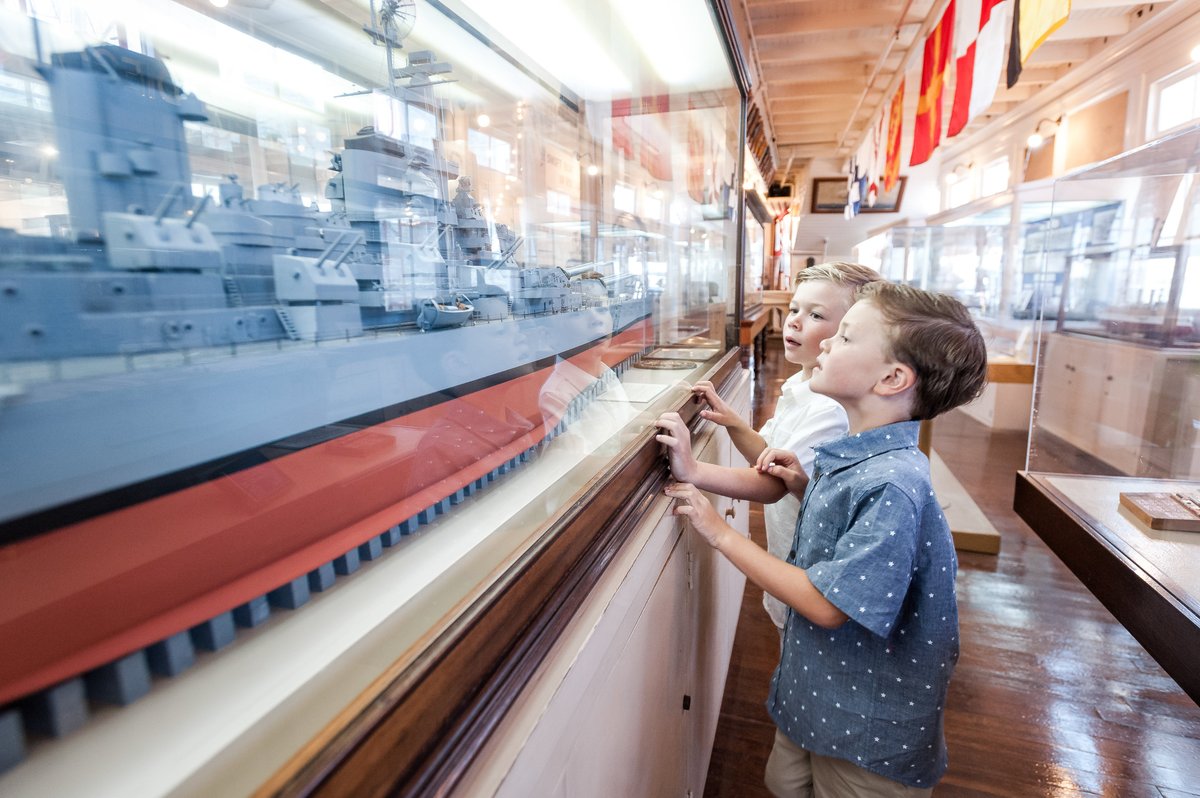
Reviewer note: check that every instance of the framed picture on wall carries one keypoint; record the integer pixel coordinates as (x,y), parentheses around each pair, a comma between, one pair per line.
(888,201)
(829,195)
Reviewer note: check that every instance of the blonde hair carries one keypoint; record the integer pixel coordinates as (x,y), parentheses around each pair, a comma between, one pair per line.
(934,335)
(851,275)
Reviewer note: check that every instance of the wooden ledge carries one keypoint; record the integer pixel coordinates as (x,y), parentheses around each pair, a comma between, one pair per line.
(421,725)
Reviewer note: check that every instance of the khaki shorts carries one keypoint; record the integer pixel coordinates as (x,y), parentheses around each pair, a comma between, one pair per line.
(793,772)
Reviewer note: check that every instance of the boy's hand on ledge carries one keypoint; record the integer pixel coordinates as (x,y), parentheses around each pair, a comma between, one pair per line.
(677,438)
(695,506)
(718,412)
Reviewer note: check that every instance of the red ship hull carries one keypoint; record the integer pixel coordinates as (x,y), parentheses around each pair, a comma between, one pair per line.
(97,590)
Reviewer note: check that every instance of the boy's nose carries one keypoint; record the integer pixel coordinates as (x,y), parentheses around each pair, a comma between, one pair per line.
(825,344)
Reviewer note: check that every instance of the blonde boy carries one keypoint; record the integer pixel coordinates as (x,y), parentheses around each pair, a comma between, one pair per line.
(871,637)
(801,421)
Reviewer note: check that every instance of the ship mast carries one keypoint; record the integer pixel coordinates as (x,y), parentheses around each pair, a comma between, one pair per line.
(394,21)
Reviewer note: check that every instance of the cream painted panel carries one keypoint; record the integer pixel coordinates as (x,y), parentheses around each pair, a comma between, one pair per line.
(716,607)
(604,714)
(631,738)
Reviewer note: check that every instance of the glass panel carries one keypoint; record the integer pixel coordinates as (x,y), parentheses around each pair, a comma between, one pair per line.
(287,282)
(969,263)
(755,250)
(1118,386)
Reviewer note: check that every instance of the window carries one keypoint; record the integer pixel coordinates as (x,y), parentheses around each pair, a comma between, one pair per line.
(960,187)
(1176,100)
(995,177)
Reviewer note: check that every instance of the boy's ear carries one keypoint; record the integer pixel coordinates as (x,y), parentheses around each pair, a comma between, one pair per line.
(898,378)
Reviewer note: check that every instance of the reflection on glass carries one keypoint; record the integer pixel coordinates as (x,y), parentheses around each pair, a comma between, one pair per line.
(1119,373)
(969,262)
(284,280)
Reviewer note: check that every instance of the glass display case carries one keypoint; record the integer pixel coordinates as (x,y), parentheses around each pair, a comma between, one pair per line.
(757,225)
(971,262)
(287,287)
(1112,480)
(1118,386)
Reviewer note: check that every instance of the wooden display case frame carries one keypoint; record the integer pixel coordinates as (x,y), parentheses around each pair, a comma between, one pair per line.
(1144,595)
(423,722)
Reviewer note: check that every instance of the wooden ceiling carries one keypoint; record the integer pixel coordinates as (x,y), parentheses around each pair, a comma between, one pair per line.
(821,69)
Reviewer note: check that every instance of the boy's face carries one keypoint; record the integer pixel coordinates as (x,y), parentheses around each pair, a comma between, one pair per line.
(813,315)
(855,358)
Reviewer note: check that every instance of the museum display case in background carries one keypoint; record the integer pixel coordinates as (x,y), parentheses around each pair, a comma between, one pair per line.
(1118,385)
(981,257)
(973,260)
(293,290)
(1114,446)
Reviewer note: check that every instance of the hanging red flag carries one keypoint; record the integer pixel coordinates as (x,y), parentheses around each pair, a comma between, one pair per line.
(927,130)
(979,56)
(891,169)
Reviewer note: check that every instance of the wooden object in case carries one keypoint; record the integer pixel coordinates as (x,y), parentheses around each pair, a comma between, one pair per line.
(1164,510)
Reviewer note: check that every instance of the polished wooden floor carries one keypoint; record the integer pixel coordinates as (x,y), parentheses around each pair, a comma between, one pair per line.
(1051,697)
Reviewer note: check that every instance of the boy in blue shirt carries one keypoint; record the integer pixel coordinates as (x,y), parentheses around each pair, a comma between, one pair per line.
(871,637)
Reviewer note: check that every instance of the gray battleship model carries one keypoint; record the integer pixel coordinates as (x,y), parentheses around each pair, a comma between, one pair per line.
(250,388)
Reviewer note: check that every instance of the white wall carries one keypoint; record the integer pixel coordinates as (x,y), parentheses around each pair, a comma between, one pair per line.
(837,235)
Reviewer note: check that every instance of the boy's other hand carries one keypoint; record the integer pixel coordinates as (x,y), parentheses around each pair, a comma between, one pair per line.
(718,412)
(695,506)
(678,439)
(785,466)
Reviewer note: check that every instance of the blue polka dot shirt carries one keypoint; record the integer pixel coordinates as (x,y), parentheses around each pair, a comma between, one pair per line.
(874,542)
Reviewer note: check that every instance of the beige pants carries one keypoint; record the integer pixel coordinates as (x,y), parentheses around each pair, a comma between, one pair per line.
(793,772)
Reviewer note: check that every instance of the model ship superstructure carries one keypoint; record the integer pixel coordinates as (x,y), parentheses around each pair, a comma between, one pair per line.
(240,436)
(166,272)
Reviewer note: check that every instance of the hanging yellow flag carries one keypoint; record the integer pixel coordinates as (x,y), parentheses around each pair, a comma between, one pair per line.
(1033,22)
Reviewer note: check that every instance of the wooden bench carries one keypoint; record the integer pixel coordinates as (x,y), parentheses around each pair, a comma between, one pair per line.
(970,527)
(753,330)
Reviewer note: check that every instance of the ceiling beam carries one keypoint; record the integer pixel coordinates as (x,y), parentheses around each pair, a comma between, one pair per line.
(799,129)
(1092,5)
(783,19)
(1053,52)
(783,51)
(1021,91)
(781,73)
(1041,75)
(811,150)
(816,106)
(1084,27)
(816,88)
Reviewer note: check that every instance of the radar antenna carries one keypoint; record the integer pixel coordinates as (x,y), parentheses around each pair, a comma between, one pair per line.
(393,21)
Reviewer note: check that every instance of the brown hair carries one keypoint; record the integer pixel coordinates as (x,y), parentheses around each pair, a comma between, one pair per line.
(934,335)
(852,275)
